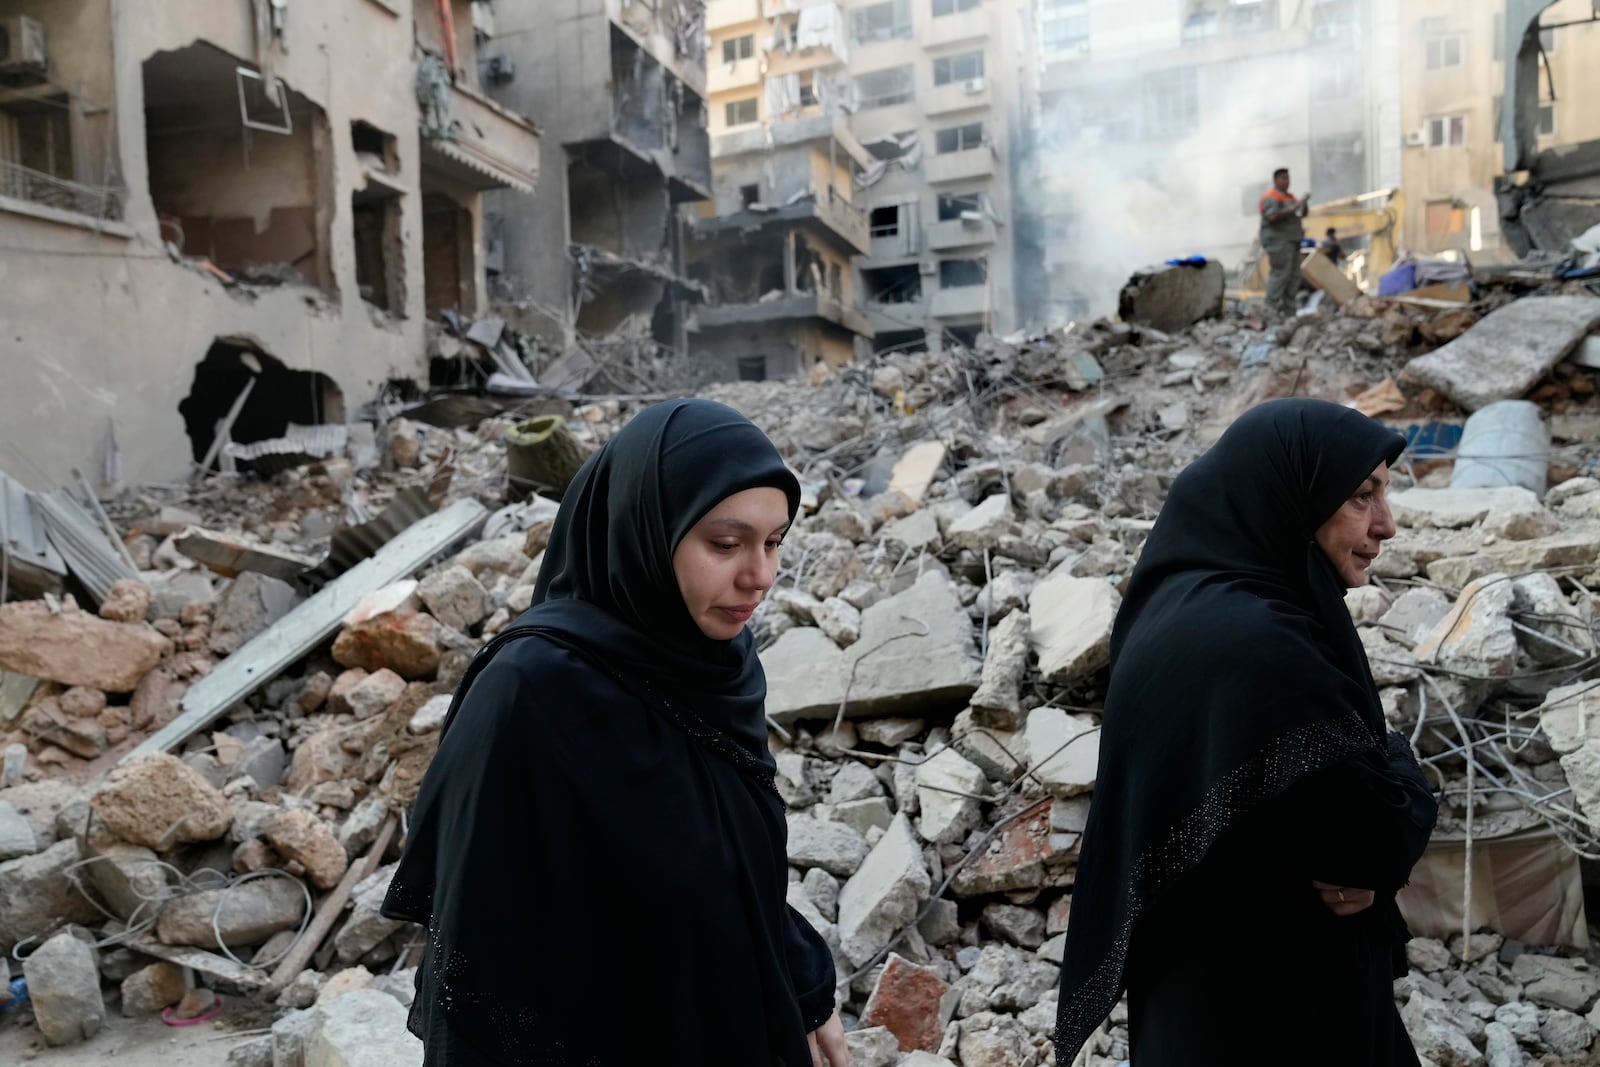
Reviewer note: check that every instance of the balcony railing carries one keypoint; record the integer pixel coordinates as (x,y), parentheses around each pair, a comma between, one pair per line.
(46,190)
(960,233)
(959,166)
(479,141)
(966,95)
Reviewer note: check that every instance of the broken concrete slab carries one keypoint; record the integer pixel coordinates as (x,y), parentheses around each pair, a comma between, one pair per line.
(1414,614)
(948,788)
(74,647)
(1508,351)
(914,533)
(362,1028)
(915,652)
(150,989)
(246,913)
(983,526)
(1476,637)
(1451,509)
(250,604)
(16,836)
(36,895)
(1072,619)
(831,846)
(455,597)
(300,836)
(1172,298)
(916,469)
(884,895)
(312,622)
(1064,749)
(231,556)
(64,988)
(998,701)
(1553,633)
(1575,547)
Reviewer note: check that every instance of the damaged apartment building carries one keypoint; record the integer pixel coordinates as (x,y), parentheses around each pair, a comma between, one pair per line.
(593,264)
(918,100)
(234,212)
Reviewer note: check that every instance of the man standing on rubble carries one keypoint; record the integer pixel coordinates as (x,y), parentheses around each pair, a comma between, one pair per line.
(1281,234)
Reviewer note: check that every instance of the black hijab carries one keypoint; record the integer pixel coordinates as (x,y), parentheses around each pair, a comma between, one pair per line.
(607,580)
(600,752)
(1235,671)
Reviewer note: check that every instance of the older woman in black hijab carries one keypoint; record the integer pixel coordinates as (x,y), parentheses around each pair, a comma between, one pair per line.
(598,849)
(1252,821)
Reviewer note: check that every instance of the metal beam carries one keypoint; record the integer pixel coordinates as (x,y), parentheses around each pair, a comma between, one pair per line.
(268,654)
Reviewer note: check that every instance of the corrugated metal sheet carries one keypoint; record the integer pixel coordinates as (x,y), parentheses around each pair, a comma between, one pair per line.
(22,531)
(78,537)
(350,546)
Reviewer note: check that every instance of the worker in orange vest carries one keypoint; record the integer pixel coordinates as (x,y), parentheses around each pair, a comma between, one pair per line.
(1281,234)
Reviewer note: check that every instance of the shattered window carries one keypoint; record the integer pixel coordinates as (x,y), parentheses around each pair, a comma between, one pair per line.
(959,138)
(963,273)
(954,205)
(885,221)
(885,88)
(965,67)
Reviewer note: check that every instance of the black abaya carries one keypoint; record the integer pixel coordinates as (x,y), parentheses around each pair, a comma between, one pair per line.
(1243,755)
(597,849)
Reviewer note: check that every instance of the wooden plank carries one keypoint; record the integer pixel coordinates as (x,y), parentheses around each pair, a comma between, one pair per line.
(328,912)
(268,654)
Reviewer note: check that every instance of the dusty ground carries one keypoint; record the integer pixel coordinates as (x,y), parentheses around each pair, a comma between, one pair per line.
(144,1042)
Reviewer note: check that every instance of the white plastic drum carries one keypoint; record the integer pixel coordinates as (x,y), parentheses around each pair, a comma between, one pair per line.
(1506,443)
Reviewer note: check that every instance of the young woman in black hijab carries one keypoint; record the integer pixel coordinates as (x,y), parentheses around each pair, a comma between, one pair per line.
(1252,821)
(598,850)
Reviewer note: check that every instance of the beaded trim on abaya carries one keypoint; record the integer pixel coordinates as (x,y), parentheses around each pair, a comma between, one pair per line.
(1302,751)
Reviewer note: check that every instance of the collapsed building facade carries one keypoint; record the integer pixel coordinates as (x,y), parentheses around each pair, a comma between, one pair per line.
(619,88)
(197,196)
(933,94)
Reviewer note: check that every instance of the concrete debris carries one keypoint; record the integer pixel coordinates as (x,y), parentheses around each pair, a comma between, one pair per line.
(1072,620)
(64,989)
(245,913)
(1173,298)
(73,647)
(149,989)
(160,802)
(1506,353)
(969,520)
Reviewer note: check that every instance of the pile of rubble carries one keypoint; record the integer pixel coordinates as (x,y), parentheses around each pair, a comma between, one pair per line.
(935,649)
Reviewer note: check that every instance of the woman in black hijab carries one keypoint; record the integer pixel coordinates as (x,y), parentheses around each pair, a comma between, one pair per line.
(1252,822)
(598,849)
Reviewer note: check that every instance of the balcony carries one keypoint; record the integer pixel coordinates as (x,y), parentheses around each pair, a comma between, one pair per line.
(970,95)
(826,210)
(961,302)
(958,28)
(966,165)
(790,307)
(721,14)
(481,144)
(961,233)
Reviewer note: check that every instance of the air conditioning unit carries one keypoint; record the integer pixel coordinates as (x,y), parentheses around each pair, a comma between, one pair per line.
(500,69)
(1417,138)
(976,85)
(22,51)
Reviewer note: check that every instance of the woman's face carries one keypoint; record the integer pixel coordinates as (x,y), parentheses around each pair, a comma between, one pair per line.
(1353,537)
(729,560)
